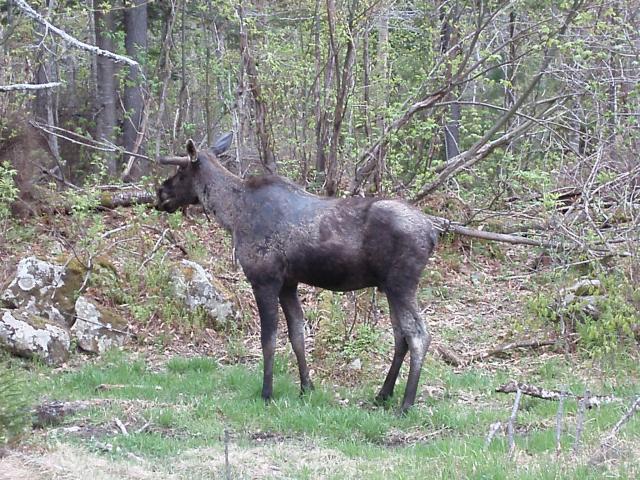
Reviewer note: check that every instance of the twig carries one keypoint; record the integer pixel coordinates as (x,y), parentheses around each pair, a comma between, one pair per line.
(559,418)
(227,468)
(582,406)
(493,429)
(512,421)
(511,346)
(605,445)
(155,249)
(121,426)
(544,394)
(28,86)
(625,418)
(143,427)
(103,326)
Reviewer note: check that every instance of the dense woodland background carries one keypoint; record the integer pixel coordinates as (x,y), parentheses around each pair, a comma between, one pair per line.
(519,117)
(518,108)
(515,117)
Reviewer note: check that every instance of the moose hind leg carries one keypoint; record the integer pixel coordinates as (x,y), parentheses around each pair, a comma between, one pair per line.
(295,324)
(400,351)
(267,300)
(417,338)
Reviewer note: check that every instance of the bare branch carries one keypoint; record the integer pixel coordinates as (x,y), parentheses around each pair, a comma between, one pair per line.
(29,86)
(31,13)
(484,146)
(512,421)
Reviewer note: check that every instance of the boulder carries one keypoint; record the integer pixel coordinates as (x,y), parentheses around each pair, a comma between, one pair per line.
(196,287)
(96,328)
(27,335)
(43,289)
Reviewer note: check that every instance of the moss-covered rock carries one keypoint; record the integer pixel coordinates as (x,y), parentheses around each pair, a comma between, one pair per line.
(27,335)
(97,328)
(44,289)
(197,288)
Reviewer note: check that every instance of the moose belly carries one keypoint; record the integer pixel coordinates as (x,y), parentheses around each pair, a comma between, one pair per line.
(332,269)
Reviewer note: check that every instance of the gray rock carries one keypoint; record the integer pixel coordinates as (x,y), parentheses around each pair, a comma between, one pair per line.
(196,287)
(585,286)
(43,289)
(96,328)
(27,335)
(356,365)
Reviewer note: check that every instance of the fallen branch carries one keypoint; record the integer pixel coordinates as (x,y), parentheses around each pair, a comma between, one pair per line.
(31,13)
(121,427)
(446,225)
(533,391)
(452,358)
(28,86)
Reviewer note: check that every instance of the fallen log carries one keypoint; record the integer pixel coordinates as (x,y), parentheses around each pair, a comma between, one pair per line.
(126,198)
(545,394)
(453,358)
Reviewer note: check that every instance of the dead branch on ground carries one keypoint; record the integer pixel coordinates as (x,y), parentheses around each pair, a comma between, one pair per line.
(457,360)
(539,392)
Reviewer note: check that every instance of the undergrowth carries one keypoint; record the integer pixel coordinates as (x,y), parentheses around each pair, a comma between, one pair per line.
(603,319)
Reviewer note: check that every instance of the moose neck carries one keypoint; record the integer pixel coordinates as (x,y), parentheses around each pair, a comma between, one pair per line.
(220,192)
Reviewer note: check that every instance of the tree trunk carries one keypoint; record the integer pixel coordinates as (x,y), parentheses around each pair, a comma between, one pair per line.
(381,93)
(452,120)
(265,140)
(319,93)
(46,105)
(343,80)
(135,24)
(106,88)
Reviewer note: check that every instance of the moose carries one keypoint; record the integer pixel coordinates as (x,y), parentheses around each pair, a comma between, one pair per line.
(284,236)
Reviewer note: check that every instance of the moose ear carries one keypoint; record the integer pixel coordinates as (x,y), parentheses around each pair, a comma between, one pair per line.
(222,144)
(191,150)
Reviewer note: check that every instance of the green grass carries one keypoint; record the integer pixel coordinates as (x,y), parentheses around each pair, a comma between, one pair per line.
(187,404)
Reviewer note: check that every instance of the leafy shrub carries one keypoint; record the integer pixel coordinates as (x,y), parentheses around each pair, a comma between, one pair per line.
(8,189)
(603,320)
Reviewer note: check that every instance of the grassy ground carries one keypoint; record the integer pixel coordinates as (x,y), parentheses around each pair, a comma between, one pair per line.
(175,414)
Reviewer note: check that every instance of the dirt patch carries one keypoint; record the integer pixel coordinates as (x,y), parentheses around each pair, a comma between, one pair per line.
(66,462)
(282,460)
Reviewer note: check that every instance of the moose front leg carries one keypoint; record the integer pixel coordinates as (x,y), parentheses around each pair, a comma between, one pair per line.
(267,301)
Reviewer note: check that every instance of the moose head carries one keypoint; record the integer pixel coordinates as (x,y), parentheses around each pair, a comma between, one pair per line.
(179,190)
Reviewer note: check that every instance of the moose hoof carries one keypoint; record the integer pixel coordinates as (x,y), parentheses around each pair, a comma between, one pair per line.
(382,400)
(308,388)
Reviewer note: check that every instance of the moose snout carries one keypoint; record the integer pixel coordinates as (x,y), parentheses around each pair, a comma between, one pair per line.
(162,200)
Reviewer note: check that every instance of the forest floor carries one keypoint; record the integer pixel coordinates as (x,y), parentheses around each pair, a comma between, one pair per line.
(189,407)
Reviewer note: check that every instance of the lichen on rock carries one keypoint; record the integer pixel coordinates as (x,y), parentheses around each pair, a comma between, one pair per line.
(196,287)
(25,334)
(96,328)
(44,289)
